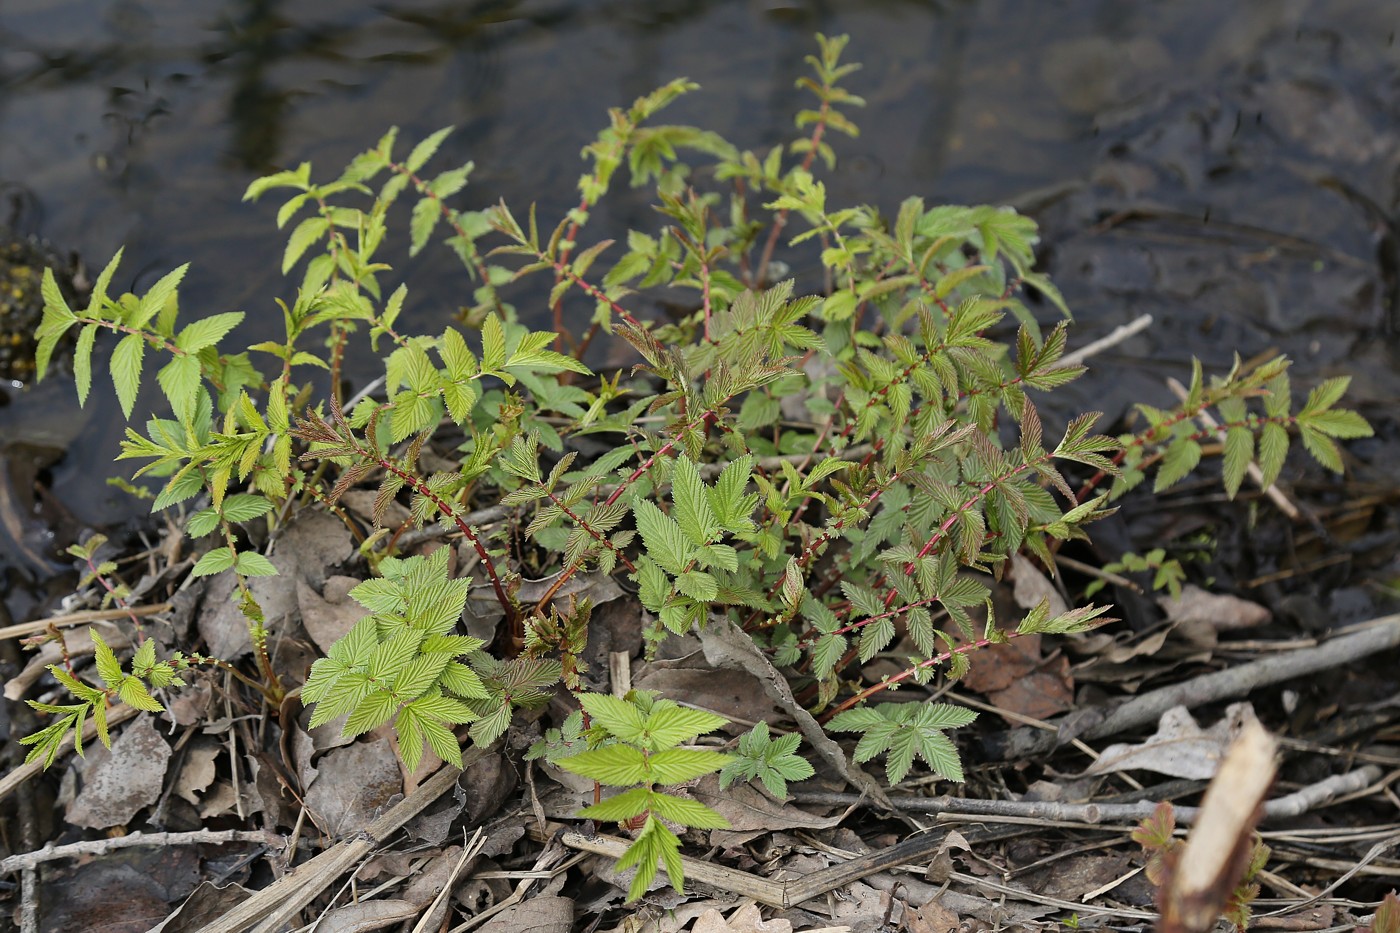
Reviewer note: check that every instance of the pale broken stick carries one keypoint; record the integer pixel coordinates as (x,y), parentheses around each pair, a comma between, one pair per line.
(1218,848)
(1348,645)
(1111,339)
(78,618)
(278,903)
(1276,496)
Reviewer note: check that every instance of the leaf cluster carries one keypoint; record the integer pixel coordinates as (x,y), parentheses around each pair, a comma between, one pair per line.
(636,744)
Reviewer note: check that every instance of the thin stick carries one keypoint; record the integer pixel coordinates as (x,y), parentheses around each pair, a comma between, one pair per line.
(78,618)
(1286,807)
(435,912)
(1351,644)
(27,860)
(277,903)
(1112,339)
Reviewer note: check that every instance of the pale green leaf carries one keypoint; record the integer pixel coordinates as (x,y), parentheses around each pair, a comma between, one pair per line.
(126,370)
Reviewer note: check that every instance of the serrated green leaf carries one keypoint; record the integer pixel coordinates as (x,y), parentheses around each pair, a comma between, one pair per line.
(426,214)
(425,150)
(693,512)
(134,694)
(690,813)
(215,561)
(619,765)
(207,331)
(243,507)
(126,370)
(1239,451)
(108,667)
(620,718)
(668,725)
(1342,424)
(376,708)
(1273,448)
(678,765)
(1323,448)
(665,542)
(82,361)
(621,806)
(153,302)
(253,564)
(1180,459)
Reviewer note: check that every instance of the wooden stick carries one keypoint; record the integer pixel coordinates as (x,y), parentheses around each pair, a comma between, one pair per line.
(78,618)
(1350,644)
(1217,851)
(50,853)
(278,903)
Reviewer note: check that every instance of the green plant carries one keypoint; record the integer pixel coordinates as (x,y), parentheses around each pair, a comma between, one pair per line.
(1156,835)
(904,731)
(1167,572)
(771,761)
(839,473)
(634,742)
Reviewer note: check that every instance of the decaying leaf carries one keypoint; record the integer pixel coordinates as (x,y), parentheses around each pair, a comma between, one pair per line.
(119,783)
(1180,747)
(197,773)
(541,914)
(352,785)
(931,917)
(1220,611)
(366,916)
(328,615)
(751,813)
(746,919)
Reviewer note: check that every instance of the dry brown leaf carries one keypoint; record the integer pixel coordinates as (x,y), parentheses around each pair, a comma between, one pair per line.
(309,545)
(540,914)
(197,773)
(750,811)
(1220,611)
(733,694)
(932,917)
(1030,585)
(104,897)
(206,904)
(352,785)
(940,867)
(864,908)
(120,782)
(747,919)
(218,801)
(366,916)
(330,614)
(1180,747)
(361,502)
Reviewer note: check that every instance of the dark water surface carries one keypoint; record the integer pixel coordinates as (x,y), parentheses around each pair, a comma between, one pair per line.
(1233,168)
